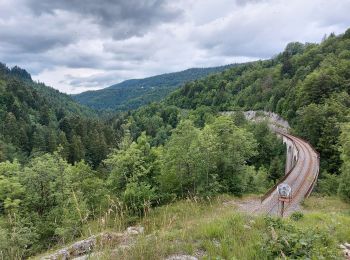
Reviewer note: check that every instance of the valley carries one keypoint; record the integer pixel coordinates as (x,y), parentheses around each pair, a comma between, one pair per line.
(183,164)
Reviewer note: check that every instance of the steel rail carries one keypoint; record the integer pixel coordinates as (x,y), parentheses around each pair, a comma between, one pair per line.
(305,168)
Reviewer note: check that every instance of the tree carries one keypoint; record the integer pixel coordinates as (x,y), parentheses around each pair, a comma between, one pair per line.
(204,162)
(88,187)
(235,146)
(47,189)
(132,173)
(11,190)
(344,183)
(77,151)
(179,161)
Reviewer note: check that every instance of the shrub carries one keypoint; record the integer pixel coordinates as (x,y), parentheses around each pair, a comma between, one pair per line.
(287,241)
(297,216)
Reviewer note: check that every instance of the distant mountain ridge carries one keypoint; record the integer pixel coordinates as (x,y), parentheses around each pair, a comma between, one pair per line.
(133,93)
(53,97)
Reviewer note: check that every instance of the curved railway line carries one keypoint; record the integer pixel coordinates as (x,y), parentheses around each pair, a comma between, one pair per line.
(301,178)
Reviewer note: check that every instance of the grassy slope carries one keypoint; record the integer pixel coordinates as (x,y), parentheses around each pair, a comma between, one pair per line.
(221,232)
(216,230)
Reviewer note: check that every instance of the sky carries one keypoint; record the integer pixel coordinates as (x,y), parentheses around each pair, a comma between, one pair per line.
(80,45)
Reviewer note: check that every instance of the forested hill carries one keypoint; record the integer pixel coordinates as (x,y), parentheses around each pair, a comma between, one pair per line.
(52,96)
(308,84)
(35,119)
(65,175)
(131,94)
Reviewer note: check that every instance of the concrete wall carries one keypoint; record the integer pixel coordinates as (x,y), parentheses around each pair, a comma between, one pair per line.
(292,154)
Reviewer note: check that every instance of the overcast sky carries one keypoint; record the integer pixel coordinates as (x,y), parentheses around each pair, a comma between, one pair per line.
(78,45)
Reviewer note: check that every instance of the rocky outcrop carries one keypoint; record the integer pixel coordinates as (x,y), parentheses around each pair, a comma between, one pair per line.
(275,122)
(346,250)
(84,249)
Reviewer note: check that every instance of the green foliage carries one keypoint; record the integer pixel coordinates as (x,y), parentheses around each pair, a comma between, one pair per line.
(207,161)
(308,84)
(133,172)
(297,215)
(47,201)
(179,172)
(344,182)
(75,214)
(11,190)
(131,94)
(271,151)
(18,237)
(212,229)
(61,166)
(328,185)
(285,240)
(35,119)
(138,197)
(259,181)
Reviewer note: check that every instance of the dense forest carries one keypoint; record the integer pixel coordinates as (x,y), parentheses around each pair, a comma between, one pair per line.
(36,119)
(134,93)
(308,84)
(63,165)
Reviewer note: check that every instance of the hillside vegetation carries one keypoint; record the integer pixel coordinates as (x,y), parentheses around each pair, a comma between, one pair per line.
(134,93)
(215,229)
(124,166)
(35,119)
(307,84)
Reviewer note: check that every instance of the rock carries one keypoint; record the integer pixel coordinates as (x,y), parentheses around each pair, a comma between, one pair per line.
(77,249)
(82,247)
(91,256)
(216,243)
(62,254)
(346,250)
(181,257)
(247,227)
(81,250)
(109,237)
(135,230)
(200,253)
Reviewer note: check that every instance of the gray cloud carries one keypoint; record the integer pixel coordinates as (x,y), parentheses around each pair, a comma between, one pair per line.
(123,18)
(261,28)
(77,45)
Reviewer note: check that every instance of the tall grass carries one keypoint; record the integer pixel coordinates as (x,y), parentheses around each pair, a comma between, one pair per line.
(213,229)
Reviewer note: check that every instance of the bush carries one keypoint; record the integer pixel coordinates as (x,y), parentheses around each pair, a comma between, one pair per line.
(138,197)
(287,241)
(296,216)
(328,184)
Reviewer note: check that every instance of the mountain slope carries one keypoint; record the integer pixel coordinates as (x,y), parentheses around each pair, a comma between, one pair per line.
(131,94)
(52,96)
(308,84)
(35,119)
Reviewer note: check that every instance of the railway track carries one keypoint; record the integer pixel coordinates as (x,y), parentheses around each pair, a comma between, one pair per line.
(301,178)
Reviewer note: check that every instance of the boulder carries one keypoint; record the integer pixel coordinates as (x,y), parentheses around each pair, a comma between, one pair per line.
(135,230)
(83,249)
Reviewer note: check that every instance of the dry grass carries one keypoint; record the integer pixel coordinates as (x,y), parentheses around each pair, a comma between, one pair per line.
(215,229)
(326,205)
